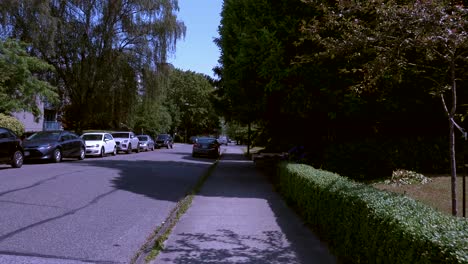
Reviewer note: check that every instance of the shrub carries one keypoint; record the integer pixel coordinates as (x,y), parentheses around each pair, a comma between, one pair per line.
(12,123)
(366,225)
(375,158)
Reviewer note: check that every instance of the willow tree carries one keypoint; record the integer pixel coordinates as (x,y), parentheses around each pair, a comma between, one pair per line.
(98,48)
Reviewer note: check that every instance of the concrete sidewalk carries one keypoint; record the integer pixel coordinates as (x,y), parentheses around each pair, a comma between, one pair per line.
(238,218)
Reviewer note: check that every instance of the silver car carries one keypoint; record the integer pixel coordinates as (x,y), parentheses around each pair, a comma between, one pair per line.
(146,142)
(126,141)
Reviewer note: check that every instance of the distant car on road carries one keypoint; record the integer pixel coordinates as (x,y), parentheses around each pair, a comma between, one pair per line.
(146,142)
(126,141)
(164,140)
(54,145)
(99,144)
(206,146)
(193,139)
(11,150)
(223,140)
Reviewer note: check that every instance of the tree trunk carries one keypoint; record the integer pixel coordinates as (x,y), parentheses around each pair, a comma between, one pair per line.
(248,139)
(453,167)
(453,161)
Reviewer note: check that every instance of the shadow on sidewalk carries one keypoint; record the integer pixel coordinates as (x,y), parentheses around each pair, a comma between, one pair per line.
(198,248)
(267,230)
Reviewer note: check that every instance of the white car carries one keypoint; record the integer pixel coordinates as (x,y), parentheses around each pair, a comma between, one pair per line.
(223,140)
(126,141)
(99,144)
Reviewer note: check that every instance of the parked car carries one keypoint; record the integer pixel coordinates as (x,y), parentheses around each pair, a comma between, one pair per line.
(126,141)
(206,146)
(54,145)
(193,139)
(11,149)
(146,142)
(99,144)
(164,140)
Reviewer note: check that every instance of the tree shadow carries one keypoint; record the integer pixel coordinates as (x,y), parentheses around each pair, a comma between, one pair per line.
(227,246)
(281,236)
(162,180)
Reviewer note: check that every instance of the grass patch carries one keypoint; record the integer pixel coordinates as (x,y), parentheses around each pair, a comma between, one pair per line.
(436,193)
(155,243)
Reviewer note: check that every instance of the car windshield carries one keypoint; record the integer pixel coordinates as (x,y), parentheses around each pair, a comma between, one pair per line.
(162,137)
(92,137)
(121,135)
(143,138)
(206,140)
(45,135)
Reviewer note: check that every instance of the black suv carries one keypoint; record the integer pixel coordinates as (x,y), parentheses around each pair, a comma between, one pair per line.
(164,140)
(11,149)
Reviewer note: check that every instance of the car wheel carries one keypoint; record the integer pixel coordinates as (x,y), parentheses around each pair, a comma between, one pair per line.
(17,159)
(114,153)
(82,154)
(57,156)
(102,152)
(129,149)
(194,155)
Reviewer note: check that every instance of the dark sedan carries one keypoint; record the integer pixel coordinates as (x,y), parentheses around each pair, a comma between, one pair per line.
(54,145)
(164,140)
(206,146)
(11,151)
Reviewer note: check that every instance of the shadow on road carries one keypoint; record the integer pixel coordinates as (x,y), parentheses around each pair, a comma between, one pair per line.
(162,180)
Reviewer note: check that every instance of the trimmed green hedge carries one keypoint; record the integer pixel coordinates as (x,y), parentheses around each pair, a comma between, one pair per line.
(366,225)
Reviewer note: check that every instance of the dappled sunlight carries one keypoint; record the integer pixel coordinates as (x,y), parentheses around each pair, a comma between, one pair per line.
(227,246)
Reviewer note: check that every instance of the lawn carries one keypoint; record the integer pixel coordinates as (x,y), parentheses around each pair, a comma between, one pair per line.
(436,193)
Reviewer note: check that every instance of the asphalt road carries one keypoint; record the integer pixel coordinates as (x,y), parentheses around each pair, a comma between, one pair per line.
(99,210)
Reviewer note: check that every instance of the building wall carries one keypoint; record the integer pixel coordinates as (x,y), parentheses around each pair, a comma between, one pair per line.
(29,121)
(46,121)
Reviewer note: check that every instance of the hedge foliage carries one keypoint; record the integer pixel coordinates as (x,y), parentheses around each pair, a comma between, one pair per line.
(366,225)
(12,123)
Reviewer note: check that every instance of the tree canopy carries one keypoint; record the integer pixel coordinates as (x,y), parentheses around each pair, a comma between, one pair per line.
(190,96)
(22,80)
(359,83)
(100,50)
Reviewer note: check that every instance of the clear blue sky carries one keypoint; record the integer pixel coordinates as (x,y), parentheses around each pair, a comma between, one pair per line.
(197,52)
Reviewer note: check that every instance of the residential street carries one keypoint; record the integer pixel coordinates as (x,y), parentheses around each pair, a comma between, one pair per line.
(99,210)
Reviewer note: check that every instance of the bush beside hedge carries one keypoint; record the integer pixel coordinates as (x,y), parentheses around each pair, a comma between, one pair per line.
(375,158)
(12,123)
(366,225)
